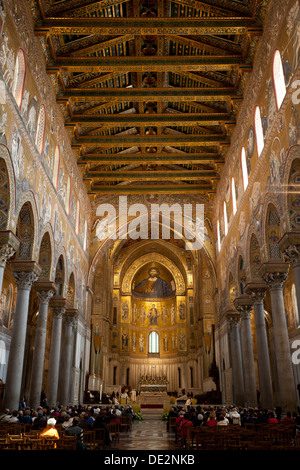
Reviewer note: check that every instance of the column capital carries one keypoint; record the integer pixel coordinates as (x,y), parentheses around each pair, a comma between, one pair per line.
(71,315)
(233,317)
(45,290)
(59,302)
(274,273)
(256,291)
(244,305)
(25,272)
(9,244)
(289,245)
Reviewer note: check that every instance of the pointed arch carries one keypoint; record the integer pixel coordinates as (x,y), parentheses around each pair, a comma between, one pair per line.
(225,216)
(77,217)
(4,195)
(259,133)
(45,257)
(60,275)
(233,195)
(218,236)
(40,133)
(56,166)
(153,343)
(25,232)
(241,275)
(272,232)
(244,168)
(278,79)
(71,290)
(19,77)
(68,195)
(254,256)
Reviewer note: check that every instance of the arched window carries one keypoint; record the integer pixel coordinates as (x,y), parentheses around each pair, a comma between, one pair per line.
(294,297)
(68,195)
(258,131)
(77,217)
(278,78)
(233,193)
(19,77)
(39,140)
(153,347)
(225,219)
(244,168)
(56,167)
(85,236)
(219,236)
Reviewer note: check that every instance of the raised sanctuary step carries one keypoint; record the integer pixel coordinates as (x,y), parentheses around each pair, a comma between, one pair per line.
(152,413)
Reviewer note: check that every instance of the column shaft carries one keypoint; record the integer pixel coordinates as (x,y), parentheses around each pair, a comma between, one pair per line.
(237,368)
(264,369)
(282,351)
(248,360)
(53,373)
(17,346)
(67,355)
(39,349)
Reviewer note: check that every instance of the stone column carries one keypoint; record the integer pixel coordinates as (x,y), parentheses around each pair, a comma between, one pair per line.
(275,274)
(244,305)
(237,369)
(9,244)
(25,273)
(257,291)
(289,245)
(45,291)
(58,305)
(67,355)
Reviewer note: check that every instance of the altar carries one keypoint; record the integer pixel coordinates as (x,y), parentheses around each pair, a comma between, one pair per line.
(153,390)
(148,398)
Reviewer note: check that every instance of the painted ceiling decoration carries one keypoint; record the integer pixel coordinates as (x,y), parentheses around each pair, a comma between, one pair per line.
(150,90)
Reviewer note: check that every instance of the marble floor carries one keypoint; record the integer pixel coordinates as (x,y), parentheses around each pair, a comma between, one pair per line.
(148,434)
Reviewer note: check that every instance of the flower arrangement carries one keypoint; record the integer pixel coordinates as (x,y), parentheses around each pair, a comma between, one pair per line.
(138,416)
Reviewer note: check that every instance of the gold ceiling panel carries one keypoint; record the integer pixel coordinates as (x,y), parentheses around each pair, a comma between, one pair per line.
(149,90)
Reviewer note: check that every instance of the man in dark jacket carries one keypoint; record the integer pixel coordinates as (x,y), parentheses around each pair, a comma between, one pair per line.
(76,430)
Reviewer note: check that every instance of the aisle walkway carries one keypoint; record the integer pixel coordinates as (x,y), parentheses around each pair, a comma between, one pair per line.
(148,434)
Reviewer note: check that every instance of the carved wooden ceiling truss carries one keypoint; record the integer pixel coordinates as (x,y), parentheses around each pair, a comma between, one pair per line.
(149,89)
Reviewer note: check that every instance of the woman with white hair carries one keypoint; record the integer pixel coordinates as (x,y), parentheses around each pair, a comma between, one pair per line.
(50,430)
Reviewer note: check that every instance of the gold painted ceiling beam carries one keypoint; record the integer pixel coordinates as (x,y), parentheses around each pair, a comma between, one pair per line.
(87,82)
(154,140)
(99,46)
(157,120)
(81,7)
(151,94)
(152,189)
(175,175)
(144,64)
(198,45)
(142,158)
(212,6)
(149,26)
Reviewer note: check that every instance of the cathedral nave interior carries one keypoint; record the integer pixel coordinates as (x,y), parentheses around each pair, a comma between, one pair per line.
(170,103)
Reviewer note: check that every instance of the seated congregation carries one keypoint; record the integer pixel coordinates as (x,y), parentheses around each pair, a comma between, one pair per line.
(233,428)
(64,428)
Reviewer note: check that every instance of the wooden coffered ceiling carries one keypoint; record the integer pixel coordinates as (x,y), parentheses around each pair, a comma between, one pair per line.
(149,89)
